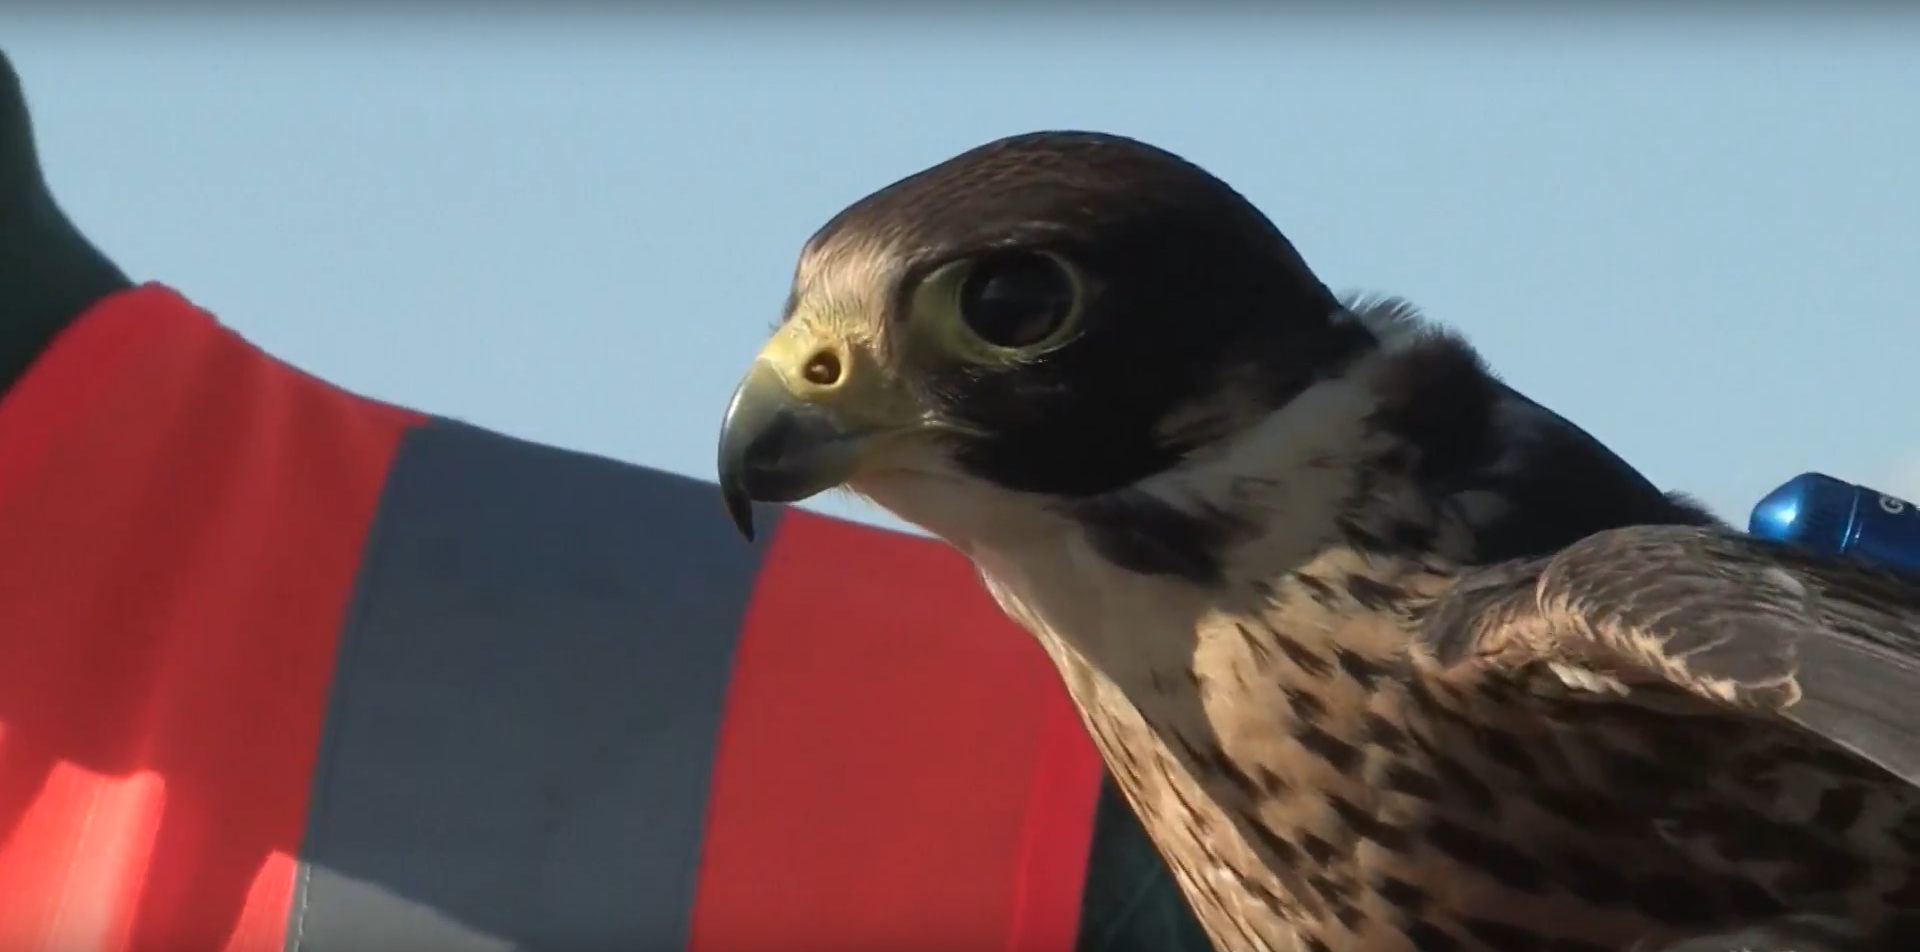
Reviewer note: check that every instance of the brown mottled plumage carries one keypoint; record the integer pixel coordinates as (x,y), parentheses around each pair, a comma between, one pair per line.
(1387,657)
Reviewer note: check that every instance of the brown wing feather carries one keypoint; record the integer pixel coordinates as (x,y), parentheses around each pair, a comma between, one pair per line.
(1829,643)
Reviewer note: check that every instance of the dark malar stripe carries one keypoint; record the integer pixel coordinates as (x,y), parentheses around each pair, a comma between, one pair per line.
(529,689)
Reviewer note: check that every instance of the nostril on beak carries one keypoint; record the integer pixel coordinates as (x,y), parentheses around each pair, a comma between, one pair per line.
(823,369)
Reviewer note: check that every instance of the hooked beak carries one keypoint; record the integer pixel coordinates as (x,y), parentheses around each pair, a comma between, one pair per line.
(808,417)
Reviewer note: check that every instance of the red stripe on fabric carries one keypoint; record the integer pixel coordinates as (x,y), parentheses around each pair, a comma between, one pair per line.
(1059,833)
(184,517)
(899,767)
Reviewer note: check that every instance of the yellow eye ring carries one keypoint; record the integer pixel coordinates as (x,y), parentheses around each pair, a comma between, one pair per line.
(1002,307)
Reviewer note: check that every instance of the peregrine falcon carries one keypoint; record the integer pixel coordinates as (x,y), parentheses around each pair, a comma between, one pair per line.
(1387,657)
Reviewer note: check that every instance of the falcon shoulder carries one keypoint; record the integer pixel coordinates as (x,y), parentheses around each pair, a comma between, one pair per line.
(1829,643)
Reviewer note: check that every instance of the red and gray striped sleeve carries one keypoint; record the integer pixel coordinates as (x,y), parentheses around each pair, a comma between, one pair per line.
(285,668)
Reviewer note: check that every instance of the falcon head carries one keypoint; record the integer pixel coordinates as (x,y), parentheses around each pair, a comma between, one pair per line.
(1049,317)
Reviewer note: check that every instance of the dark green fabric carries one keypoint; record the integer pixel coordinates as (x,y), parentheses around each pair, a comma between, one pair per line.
(49,273)
(1131,903)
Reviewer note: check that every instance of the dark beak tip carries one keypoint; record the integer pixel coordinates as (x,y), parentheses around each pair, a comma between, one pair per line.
(739,509)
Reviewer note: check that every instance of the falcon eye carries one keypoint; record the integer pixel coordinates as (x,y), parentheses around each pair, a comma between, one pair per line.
(1017,299)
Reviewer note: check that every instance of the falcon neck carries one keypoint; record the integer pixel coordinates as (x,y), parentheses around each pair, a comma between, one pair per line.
(1153,602)
(1213,701)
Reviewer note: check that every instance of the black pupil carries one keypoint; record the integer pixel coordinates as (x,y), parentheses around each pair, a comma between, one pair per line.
(1016,300)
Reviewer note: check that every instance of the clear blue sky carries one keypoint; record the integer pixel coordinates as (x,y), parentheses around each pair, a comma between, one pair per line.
(1696,237)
